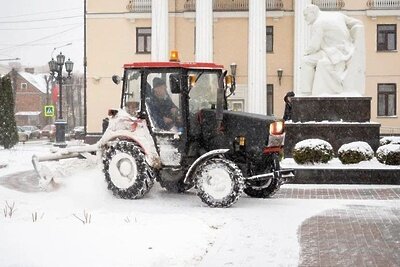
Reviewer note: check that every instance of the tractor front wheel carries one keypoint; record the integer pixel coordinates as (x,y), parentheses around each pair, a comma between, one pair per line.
(219,182)
(127,174)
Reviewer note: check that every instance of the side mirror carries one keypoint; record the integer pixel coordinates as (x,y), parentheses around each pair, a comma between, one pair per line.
(116,79)
(175,84)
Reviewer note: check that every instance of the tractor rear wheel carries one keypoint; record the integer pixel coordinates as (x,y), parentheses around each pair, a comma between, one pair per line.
(127,174)
(267,188)
(219,182)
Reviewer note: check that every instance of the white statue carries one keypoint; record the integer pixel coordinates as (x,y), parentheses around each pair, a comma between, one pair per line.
(334,61)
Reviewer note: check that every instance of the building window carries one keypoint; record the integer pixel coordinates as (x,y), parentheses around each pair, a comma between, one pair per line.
(270,99)
(270,39)
(386,39)
(143,40)
(236,104)
(387,99)
(24,86)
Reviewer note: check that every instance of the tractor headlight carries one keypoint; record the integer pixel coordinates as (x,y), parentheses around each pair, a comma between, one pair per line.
(276,128)
(229,80)
(192,80)
(239,143)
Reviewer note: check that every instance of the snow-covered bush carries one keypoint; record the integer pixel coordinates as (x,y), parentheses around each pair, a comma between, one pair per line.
(355,152)
(312,151)
(389,154)
(389,140)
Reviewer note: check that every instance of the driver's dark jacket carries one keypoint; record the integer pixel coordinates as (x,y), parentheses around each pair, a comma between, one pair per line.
(160,108)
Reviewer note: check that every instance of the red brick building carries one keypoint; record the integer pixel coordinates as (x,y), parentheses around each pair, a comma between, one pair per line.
(30,97)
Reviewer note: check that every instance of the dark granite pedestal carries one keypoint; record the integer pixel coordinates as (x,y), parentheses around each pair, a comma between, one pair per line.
(347,175)
(347,109)
(337,120)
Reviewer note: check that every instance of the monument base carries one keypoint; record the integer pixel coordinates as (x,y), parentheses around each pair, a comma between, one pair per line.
(348,109)
(337,120)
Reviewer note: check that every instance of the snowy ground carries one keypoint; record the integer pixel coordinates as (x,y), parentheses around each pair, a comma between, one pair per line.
(162,229)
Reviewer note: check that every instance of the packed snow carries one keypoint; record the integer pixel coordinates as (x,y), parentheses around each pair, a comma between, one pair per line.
(362,147)
(314,144)
(78,222)
(386,149)
(390,140)
(335,163)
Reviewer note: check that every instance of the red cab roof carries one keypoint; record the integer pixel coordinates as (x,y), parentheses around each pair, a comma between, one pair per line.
(186,65)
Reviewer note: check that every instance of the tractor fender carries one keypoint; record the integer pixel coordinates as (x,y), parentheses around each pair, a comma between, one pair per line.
(145,143)
(201,159)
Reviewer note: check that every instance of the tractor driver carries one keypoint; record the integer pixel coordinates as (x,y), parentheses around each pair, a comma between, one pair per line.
(163,111)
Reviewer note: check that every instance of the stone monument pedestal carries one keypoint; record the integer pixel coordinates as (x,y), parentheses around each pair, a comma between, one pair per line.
(337,120)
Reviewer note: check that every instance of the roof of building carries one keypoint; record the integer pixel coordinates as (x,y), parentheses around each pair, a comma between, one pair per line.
(28,113)
(4,70)
(36,80)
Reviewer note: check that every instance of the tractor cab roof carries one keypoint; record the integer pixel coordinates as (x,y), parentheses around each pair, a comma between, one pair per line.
(185,65)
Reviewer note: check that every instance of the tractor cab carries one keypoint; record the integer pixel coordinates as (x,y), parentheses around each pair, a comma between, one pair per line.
(170,96)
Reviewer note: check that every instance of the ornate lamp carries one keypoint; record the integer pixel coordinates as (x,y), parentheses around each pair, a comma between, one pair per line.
(69,65)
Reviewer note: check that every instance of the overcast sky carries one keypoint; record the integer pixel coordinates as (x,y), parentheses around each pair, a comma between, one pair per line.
(31,29)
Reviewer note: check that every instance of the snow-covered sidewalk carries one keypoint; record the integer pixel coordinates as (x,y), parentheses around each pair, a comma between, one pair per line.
(161,229)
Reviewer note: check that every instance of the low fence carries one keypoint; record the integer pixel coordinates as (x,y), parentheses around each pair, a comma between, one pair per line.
(383,4)
(329,4)
(139,6)
(388,131)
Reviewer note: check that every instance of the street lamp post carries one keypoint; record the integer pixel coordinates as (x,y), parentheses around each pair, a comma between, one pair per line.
(56,68)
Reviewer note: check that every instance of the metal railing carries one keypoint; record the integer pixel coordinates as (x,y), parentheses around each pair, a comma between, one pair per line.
(329,4)
(383,4)
(234,5)
(390,131)
(139,6)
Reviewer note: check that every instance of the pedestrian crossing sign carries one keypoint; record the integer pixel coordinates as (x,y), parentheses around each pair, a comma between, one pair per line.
(49,111)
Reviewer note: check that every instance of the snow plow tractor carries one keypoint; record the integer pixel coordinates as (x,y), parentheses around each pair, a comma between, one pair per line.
(173,126)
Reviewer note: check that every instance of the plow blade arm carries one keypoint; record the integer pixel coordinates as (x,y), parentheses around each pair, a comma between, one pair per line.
(45,174)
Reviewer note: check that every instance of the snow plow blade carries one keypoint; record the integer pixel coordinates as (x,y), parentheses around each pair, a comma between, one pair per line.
(46,176)
(284,174)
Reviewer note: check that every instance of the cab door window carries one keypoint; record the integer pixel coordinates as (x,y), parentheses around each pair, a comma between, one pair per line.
(132,92)
(163,107)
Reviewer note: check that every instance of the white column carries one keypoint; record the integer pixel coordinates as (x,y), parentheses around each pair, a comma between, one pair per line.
(159,30)
(301,39)
(257,74)
(204,31)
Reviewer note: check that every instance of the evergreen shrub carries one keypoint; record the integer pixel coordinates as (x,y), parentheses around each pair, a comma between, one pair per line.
(312,151)
(355,152)
(389,154)
(8,126)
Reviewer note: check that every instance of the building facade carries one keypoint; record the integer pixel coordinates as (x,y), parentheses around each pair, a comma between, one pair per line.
(265,38)
(30,97)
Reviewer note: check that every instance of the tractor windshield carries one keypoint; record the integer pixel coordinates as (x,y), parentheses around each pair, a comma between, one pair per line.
(132,92)
(203,91)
